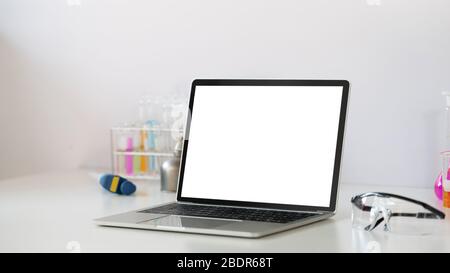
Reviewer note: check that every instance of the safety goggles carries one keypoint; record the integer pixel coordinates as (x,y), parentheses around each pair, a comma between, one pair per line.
(397,213)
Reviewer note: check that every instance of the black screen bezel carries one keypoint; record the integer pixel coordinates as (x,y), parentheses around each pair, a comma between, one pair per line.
(257,82)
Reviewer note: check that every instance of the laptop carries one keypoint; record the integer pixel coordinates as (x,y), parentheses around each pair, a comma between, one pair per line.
(259,157)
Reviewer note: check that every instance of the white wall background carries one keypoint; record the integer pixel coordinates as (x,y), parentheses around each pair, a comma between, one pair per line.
(70,72)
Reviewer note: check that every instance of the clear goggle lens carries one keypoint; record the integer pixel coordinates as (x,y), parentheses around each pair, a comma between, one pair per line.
(372,212)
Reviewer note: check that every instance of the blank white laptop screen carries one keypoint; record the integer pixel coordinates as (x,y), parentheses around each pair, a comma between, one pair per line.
(268,144)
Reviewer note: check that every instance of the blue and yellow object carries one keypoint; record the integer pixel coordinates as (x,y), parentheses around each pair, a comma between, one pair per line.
(117,184)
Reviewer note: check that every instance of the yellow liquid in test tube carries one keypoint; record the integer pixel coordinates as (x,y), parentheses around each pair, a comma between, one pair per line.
(144,159)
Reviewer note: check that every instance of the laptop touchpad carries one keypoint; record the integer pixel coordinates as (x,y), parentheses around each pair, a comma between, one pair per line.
(187,222)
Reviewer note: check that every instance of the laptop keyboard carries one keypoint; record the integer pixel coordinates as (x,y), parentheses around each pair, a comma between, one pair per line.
(260,215)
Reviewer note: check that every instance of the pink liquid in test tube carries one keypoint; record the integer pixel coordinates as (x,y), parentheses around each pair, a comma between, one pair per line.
(129,158)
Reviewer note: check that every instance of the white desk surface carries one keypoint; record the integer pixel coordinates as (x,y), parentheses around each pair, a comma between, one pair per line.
(42,213)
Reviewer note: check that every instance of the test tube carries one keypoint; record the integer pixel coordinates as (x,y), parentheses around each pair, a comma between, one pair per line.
(143,148)
(151,142)
(128,157)
(121,147)
(136,164)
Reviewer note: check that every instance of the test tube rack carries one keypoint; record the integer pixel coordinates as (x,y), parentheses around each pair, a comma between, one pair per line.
(138,152)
